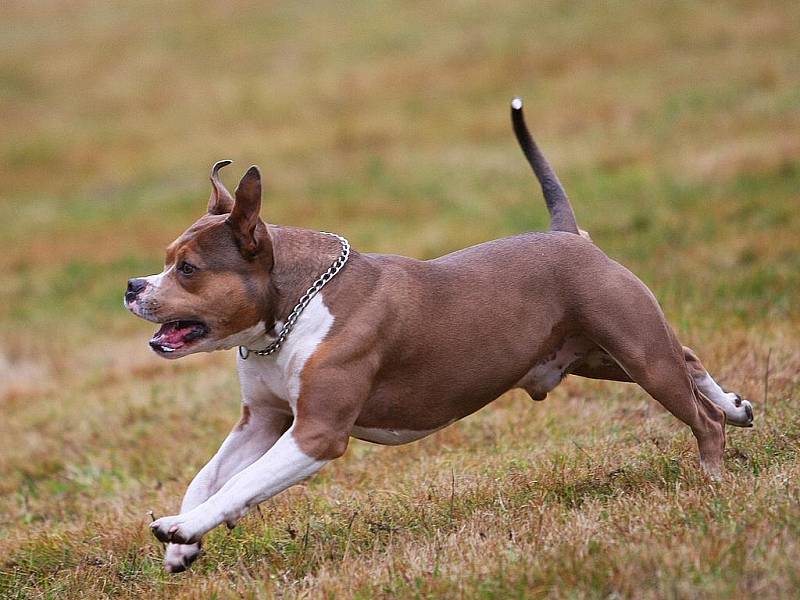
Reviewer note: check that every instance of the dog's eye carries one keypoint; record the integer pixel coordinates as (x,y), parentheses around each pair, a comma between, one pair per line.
(186,269)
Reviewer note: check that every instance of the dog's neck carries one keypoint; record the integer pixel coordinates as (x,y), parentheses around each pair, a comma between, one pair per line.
(300,256)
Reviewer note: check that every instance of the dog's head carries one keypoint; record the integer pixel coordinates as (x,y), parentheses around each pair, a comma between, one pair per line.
(215,291)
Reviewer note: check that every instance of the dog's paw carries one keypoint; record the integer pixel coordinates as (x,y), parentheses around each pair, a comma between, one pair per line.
(179,557)
(742,414)
(712,470)
(175,530)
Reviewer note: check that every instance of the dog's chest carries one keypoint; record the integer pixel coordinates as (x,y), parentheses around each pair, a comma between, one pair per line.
(262,382)
(276,379)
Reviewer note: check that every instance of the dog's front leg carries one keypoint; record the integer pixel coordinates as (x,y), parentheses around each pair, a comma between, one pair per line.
(331,401)
(254,434)
(284,465)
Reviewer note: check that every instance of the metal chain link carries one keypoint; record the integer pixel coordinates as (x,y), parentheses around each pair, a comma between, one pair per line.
(318,284)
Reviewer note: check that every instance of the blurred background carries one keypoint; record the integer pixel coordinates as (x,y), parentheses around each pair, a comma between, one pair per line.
(675,127)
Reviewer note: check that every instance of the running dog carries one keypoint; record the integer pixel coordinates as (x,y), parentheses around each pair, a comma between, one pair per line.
(335,343)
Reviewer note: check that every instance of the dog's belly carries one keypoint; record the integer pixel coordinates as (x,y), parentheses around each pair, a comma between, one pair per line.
(413,405)
(391,437)
(406,408)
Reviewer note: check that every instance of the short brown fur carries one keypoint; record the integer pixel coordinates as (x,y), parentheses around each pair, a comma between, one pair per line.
(409,346)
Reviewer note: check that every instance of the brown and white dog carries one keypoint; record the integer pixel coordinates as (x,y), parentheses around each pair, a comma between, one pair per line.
(393,348)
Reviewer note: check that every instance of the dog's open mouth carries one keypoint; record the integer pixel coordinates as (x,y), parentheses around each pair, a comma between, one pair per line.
(175,335)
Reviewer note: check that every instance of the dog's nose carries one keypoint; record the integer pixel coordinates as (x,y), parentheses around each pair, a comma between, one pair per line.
(134,287)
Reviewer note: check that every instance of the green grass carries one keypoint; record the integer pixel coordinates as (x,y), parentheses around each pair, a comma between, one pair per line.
(674,127)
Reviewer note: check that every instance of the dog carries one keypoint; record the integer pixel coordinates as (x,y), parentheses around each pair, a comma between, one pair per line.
(334,343)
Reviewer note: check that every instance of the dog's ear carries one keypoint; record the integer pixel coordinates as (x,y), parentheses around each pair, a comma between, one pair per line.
(221,201)
(250,231)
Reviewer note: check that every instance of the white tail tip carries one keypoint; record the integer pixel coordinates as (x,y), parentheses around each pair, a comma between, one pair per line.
(516,103)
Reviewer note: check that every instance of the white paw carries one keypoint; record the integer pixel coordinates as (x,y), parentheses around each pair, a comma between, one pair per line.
(178,557)
(741,414)
(176,529)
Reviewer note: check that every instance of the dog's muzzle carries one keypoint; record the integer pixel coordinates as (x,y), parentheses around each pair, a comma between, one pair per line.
(134,287)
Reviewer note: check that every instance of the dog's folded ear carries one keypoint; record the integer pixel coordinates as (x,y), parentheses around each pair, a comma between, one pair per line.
(221,201)
(250,231)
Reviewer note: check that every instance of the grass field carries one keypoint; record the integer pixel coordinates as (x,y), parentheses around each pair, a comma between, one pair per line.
(675,127)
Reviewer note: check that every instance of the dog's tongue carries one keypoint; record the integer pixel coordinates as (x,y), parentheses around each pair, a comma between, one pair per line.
(175,334)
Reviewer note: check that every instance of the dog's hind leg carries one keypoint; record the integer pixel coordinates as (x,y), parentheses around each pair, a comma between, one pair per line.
(660,370)
(598,364)
(738,411)
(628,324)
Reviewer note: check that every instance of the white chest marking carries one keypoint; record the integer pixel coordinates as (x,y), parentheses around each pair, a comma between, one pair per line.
(278,376)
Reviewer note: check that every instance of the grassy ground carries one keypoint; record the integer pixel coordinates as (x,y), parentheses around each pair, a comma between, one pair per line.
(675,127)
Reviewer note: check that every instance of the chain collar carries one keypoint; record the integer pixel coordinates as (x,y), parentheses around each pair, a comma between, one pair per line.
(318,284)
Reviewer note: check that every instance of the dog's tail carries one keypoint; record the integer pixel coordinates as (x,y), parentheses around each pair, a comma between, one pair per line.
(562,218)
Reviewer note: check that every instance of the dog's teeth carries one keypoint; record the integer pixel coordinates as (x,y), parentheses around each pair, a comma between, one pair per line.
(167,349)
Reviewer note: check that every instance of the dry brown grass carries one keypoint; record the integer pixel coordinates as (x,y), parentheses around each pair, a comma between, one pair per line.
(675,128)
